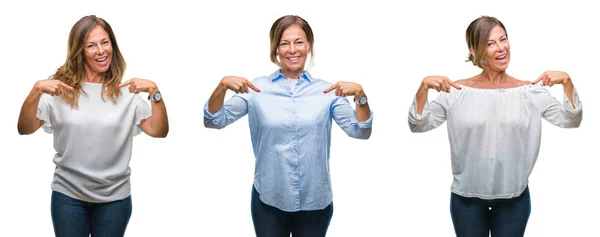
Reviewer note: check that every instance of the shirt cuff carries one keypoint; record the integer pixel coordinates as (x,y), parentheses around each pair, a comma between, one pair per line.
(413,116)
(567,103)
(213,117)
(364,124)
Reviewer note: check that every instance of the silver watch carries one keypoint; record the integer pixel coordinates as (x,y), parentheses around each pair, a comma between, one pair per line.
(362,100)
(156,97)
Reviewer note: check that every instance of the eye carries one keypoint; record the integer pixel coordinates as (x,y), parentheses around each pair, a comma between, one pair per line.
(91,46)
(283,44)
(503,39)
(105,43)
(490,44)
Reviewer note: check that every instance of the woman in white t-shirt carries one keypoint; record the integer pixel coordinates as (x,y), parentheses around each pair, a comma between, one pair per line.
(494,128)
(93,117)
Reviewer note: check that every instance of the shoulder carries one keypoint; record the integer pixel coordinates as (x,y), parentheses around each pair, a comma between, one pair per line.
(522,82)
(466,82)
(262,80)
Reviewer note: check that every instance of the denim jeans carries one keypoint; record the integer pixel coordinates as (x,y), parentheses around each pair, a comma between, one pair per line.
(474,217)
(75,218)
(273,222)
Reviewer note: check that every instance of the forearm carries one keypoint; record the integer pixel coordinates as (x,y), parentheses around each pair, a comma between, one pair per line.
(216,100)
(421,99)
(569,90)
(363,112)
(28,121)
(160,121)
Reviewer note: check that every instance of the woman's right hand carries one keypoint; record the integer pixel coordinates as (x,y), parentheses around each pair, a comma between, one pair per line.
(237,84)
(439,83)
(52,87)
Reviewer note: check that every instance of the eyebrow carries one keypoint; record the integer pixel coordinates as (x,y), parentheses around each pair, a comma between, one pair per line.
(100,41)
(499,37)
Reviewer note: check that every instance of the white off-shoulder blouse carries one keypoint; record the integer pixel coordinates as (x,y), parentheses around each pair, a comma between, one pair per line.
(494,134)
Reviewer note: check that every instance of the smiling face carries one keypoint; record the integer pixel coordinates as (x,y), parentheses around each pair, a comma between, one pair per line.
(293,51)
(98,51)
(497,54)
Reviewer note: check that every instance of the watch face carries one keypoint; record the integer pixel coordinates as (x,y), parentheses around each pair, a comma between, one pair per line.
(362,100)
(157,96)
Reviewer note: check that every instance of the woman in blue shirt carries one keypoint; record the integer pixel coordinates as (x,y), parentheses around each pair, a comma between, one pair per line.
(290,115)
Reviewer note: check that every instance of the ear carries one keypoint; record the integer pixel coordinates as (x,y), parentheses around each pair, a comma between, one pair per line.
(471,51)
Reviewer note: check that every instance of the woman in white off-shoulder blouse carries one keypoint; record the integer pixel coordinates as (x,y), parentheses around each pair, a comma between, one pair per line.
(494,127)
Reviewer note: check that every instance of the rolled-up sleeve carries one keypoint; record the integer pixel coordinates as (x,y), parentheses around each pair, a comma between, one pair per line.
(345,116)
(232,110)
(560,114)
(432,116)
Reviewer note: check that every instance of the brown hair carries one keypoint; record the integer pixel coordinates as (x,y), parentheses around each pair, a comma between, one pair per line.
(72,72)
(280,25)
(478,34)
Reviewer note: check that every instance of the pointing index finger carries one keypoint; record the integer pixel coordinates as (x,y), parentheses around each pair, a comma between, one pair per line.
(64,85)
(126,83)
(539,79)
(252,86)
(332,87)
(457,86)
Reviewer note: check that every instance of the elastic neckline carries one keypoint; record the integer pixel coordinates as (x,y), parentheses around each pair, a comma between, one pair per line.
(496,90)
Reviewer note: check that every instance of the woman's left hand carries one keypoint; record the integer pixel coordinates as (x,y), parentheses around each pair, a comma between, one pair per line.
(137,85)
(344,88)
(550,78)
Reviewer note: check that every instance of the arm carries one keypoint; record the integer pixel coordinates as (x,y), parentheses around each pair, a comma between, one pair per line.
(354,124)
(342,88)
(28,122)
(424,116)
(156,125)
(217,113)
(567,114)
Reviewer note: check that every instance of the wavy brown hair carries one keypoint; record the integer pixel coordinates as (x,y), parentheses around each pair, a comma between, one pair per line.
(477,36)
(280,25)
(73,73)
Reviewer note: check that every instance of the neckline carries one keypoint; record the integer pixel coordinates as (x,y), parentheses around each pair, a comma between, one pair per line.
(496,90)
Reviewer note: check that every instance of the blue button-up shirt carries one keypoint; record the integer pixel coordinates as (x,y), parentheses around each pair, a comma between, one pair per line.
(290,129)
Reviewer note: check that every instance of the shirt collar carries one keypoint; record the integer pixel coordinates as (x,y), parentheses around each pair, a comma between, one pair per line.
(278,75)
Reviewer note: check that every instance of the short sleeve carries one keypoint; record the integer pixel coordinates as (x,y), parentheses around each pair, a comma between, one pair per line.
(43,112)
(142,111)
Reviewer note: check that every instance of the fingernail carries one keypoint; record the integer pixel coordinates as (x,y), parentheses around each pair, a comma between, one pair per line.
(533,83)
(118,87)
(460,88)
(324,91)
(257,90)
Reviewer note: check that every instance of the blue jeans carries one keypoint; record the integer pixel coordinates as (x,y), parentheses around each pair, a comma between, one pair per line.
(75,218)
(474,217)
(271,222)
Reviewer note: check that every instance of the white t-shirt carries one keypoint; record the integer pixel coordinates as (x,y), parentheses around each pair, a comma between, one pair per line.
(93,143)
(494,134)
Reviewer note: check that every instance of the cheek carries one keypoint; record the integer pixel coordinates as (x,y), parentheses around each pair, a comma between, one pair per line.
(88,56)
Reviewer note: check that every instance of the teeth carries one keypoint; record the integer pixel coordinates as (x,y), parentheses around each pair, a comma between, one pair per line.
(101,59)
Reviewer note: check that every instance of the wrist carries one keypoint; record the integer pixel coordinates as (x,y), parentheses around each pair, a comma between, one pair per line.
(358,94)
(37,89)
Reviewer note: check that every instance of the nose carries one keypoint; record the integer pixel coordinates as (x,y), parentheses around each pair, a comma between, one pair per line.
(293,49)
(501,47)
(100,49)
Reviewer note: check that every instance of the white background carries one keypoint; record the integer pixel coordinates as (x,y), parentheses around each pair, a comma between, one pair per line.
(197,181)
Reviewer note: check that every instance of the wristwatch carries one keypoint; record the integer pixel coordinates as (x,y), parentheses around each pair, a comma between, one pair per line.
(362,100)
(156,97)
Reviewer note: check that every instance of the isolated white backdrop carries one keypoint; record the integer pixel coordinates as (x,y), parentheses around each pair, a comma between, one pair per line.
(197,182)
